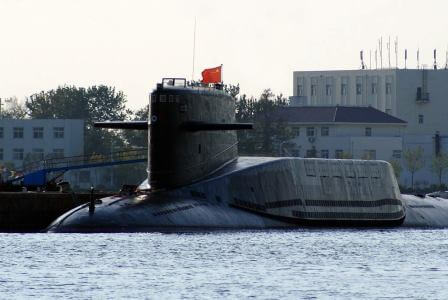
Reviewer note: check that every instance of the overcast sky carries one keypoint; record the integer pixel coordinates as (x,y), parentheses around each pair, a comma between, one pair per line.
(133,44)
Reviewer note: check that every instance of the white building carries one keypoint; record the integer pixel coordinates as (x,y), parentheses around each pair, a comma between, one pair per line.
(419,97)
(39,138)
(342,131)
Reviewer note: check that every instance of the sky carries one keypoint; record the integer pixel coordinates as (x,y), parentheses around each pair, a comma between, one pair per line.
(132,44)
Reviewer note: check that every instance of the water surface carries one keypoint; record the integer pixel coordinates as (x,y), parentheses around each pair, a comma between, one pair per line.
(308,263)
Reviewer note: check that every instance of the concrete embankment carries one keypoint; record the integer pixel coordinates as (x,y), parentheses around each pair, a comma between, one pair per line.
(31,211)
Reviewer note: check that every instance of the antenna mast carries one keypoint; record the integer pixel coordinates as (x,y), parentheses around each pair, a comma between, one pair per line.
(388,50)
(418,58)
(194,48)
(435,59)
(396,52)
(405,57)
(361,56)
(376,59)
(381,51)
(446,59)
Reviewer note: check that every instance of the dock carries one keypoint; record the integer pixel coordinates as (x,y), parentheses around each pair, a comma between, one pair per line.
(34,211)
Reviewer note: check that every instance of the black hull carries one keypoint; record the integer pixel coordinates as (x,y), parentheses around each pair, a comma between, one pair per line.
(326,223)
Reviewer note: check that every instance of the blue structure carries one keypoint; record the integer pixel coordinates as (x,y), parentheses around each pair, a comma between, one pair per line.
(35,174)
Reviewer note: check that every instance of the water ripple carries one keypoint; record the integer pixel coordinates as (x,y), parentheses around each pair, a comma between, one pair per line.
(308,264)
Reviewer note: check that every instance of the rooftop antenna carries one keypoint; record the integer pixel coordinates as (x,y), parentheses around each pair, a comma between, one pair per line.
(376,59)
(194,48)
(435,59)
(405,57)
(418,58)
(381,51)
(446,59)
(362,60)
(396,52)
(388,50)
(370,59)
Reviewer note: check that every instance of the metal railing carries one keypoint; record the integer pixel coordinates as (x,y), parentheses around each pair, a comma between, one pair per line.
(72,161)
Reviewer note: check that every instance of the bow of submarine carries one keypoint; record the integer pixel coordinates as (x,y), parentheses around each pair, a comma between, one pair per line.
(140,213)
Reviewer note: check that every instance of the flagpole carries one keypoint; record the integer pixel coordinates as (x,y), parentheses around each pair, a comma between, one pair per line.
(194,48)
(222,77)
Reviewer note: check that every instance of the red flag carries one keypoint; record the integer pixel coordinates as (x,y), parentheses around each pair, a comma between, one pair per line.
(212,75)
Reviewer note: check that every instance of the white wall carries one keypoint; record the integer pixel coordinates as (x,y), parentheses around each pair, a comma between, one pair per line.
(379,98)
(351,139)
(72,143)
(401,102)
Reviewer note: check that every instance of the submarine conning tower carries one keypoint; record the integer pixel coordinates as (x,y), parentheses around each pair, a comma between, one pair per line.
(191,133)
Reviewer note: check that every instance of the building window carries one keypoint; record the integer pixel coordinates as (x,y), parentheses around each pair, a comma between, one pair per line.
(295,152)
(369,154)
(374,88)
(58,132)
(17,132)
(343,89)
(300,90)
(368,131)
(38,132)
(295,130)
(338,153)
(328,90)
(388,88)
(324,153)
(17,154)
(1,153)
(311,153)
(325,131)
(396,153)
(358,89)
(388,111)
(420,119)
(1,132)
(313,90)
(310,131)
(38,154)
(58,153)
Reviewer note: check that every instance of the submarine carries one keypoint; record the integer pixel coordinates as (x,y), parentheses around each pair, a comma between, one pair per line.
(197,181)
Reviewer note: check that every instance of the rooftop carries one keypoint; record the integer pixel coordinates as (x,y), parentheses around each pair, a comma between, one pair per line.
(333,114)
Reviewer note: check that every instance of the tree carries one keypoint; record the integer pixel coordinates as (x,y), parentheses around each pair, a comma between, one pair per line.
(346,155)
(413,159)
(439,165)
(269,132)
(137,138)
(96,103)
(14,109)
(397,167)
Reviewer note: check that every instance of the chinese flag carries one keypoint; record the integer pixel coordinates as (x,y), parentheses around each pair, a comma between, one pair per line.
(212,75)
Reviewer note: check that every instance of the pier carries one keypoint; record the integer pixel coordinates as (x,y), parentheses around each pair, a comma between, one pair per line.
(34,211)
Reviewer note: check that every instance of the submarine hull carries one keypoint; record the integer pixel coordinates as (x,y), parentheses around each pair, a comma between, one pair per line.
(255,193)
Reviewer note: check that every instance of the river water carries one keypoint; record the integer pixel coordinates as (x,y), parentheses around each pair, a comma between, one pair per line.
(306,263)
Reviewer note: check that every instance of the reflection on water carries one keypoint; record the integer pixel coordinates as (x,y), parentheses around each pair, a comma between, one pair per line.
(261,264)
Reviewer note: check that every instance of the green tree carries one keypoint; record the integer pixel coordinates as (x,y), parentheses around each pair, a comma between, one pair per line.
(414,161)
(269,132)
(137,138)
(96,103)
(439,165)
(13,109)
(397,167)
(346,155)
